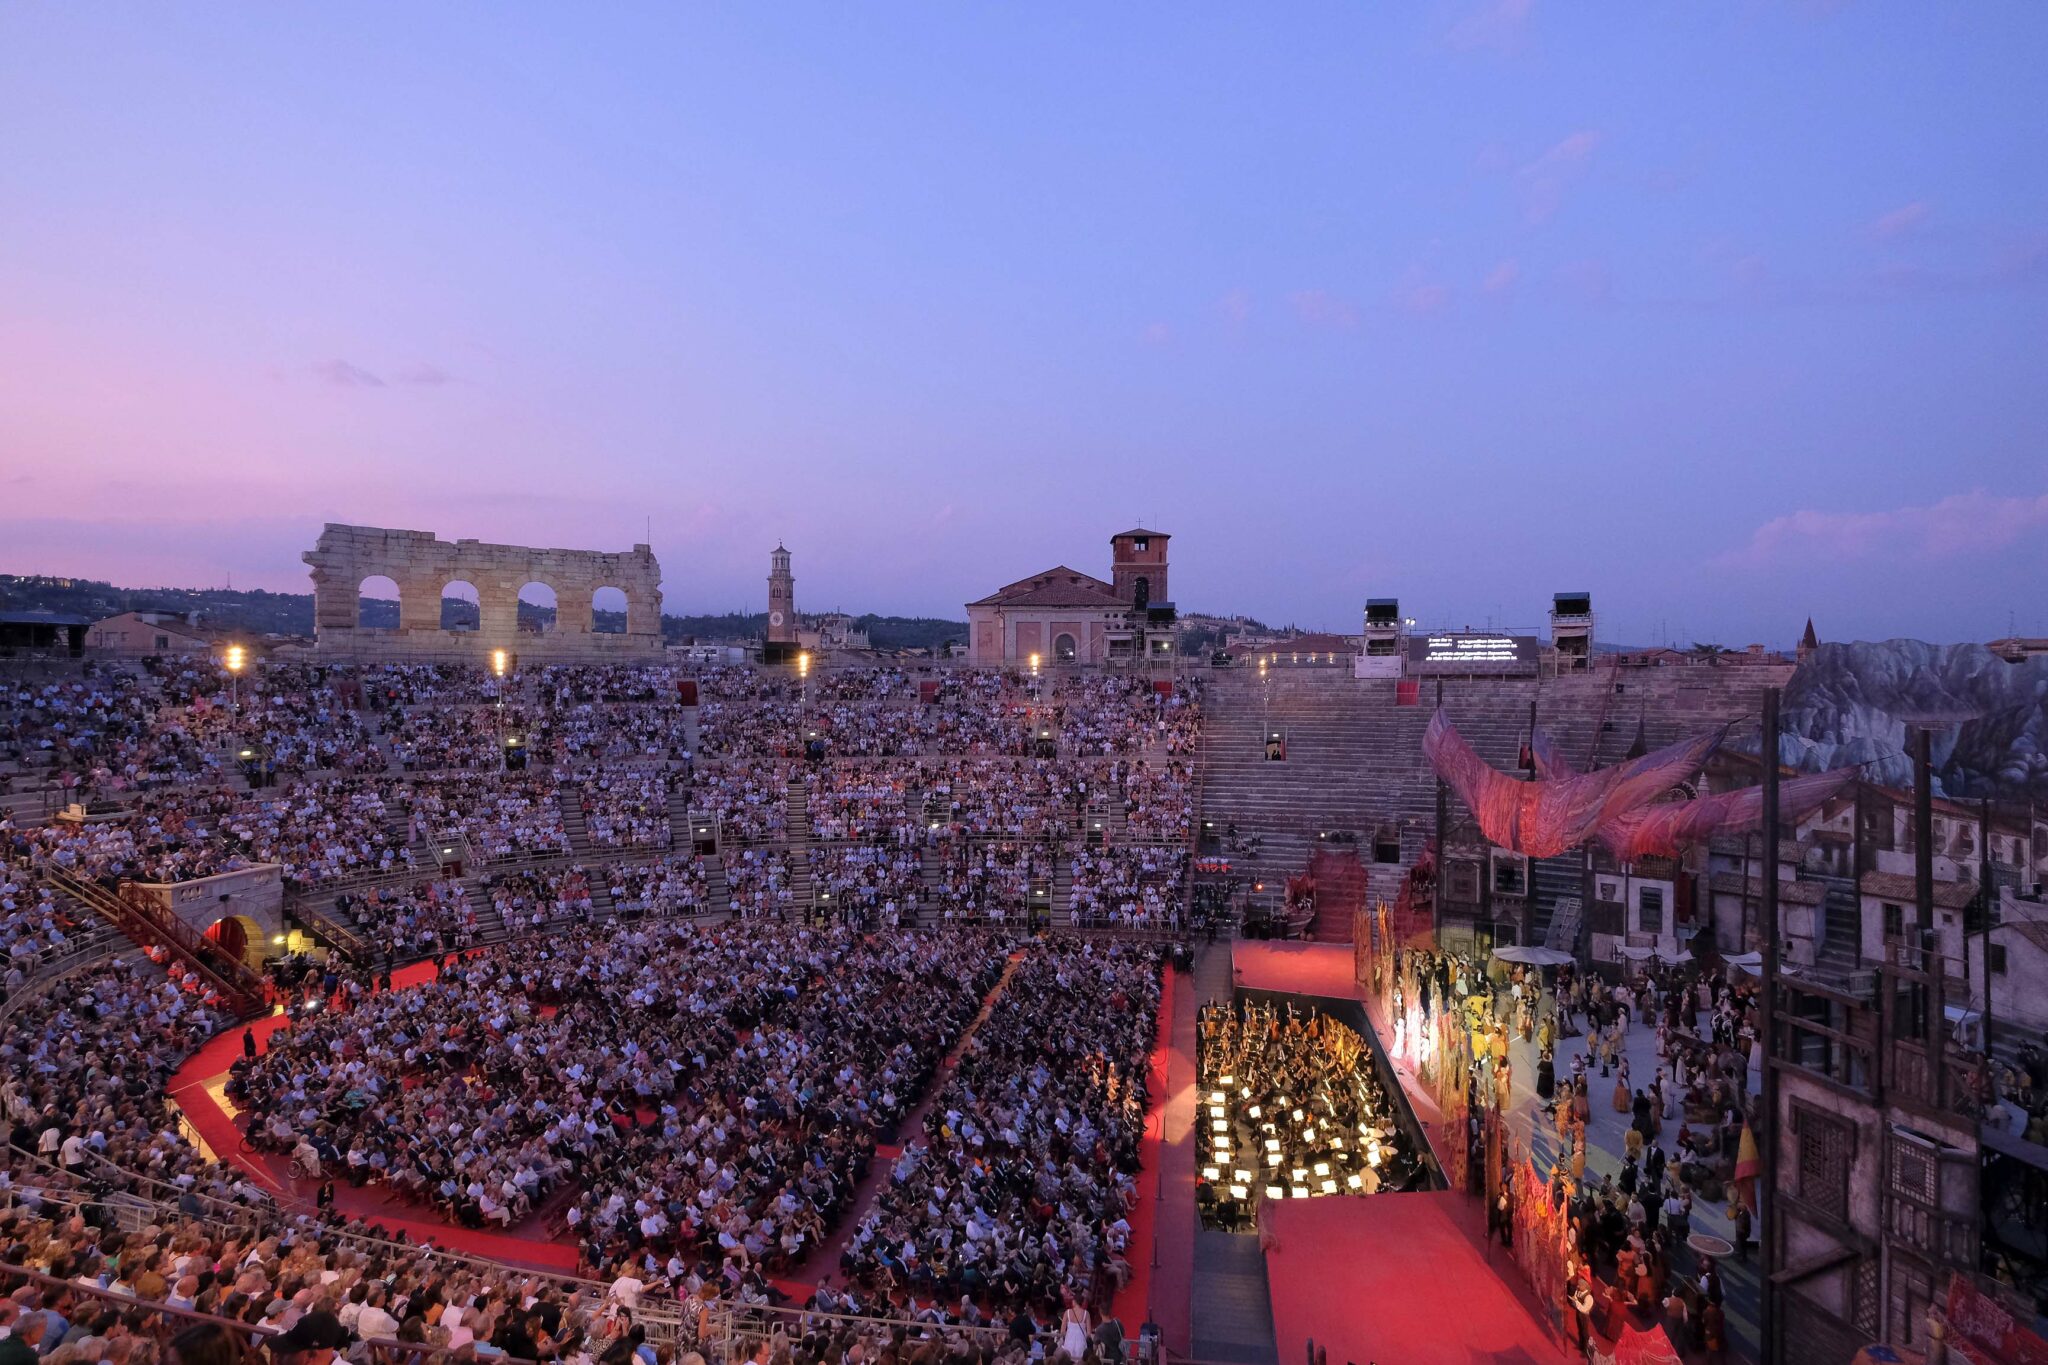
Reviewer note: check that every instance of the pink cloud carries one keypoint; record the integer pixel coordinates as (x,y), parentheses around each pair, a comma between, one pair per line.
(1900,221)
(342,374)
(1320,308)
(423,373)
(1542,182)
(1502,277)
(1958,523)
(1497,27)
(1422,298)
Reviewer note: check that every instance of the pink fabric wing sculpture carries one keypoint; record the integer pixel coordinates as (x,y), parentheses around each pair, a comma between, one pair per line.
(1666,827)
(1548,817)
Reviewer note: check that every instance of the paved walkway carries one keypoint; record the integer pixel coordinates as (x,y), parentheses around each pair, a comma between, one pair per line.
(1605,1144)
(1231,1320)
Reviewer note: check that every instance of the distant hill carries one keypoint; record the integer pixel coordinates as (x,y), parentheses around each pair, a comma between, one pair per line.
(884,632)
(256,612)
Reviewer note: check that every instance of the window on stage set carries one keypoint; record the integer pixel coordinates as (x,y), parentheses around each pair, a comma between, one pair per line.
(1510,876)
(1386,844)
(1464,883)
(1826,1145)
(1063,648)
(1650,910)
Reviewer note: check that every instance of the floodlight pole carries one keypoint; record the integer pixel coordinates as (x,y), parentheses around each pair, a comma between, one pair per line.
(1767,1314)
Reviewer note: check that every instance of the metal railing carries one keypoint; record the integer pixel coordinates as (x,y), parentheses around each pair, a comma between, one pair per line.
(240,989)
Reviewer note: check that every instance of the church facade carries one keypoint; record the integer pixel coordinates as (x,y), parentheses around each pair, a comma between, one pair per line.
(1066,617)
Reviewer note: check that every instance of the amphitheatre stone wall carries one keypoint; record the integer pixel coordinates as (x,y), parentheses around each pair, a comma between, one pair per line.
(422,565)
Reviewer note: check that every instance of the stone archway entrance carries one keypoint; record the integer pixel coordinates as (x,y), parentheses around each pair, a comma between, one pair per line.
(239,936)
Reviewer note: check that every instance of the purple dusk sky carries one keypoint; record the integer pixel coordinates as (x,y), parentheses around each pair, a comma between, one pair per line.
(1728,313)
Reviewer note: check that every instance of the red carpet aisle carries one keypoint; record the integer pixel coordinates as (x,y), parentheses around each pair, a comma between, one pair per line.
(1396,1277)
(1136,1300)
(1173,1282)
(209,1066)
(823,1262)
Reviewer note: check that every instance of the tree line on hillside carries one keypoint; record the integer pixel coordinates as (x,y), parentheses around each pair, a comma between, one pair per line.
(258,612)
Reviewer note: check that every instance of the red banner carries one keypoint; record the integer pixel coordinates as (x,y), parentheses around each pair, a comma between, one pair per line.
(1989,1329)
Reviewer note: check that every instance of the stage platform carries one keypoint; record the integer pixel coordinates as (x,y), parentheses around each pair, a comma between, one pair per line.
(1295,968)
(1398,1277)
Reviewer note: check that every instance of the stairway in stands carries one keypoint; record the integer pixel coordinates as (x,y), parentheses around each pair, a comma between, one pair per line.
(797,811)
(570,800)
(1063,885)
(679,831)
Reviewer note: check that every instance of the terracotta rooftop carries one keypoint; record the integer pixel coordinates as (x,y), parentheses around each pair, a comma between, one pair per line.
(1056,587)
(1789,893)
(1899,888)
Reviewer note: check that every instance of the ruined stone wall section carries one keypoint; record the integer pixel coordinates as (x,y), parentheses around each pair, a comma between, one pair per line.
(422,565)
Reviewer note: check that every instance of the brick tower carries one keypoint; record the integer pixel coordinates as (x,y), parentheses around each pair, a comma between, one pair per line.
(781,598)
(1138,566)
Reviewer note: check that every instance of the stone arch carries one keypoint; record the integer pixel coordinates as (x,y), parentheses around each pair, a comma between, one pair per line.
(239,937)
(1064,648)
(540,612)
(561,587)
(461,606)
(380,602)
(610,608)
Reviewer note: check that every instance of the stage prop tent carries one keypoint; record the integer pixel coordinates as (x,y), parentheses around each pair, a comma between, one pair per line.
(1533,957)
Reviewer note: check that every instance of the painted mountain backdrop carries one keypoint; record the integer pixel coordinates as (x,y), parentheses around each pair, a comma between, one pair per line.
(1855,703)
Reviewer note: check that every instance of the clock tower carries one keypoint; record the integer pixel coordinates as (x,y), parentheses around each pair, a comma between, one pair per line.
(781,598)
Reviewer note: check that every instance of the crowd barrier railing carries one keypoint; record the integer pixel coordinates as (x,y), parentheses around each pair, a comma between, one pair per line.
(377,1350)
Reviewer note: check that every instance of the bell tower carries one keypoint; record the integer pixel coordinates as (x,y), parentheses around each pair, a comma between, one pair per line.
(1138,566)
(781,598)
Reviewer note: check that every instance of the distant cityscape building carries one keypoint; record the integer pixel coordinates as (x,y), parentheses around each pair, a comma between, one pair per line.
(835,630)
(149,632)
(1065,616)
